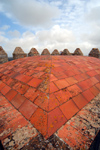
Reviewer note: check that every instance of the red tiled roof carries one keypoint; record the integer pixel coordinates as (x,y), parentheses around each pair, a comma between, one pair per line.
(49,90)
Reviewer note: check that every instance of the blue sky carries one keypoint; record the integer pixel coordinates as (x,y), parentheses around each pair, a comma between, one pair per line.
(52,24)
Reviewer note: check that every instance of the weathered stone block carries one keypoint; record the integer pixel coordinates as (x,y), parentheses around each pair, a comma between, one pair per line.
(55,52)
(33,52)
(95,53)
(3,56)
(19,53)
(45,52)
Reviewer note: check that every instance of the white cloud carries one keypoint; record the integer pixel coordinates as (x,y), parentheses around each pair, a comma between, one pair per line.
(77,25)
(14,34)
(31,12)
(56,37)
(94,14)
(5,27)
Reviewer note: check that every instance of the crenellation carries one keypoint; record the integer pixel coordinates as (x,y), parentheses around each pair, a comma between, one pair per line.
(19,53)
(3,56)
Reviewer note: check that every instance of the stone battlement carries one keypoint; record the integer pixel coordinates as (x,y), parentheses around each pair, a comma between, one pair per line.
(19,53)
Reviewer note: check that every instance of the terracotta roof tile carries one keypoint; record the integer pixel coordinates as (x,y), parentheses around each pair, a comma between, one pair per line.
(48,91)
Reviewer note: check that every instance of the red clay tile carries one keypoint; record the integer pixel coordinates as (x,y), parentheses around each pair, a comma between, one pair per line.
(27,109)
(32,94)
(42,101)
(5,79)
(39,120)
(80,101)
(11,82)
(21,72)
(13,74)
(5,90)
(29,72)
(78,77)
(85,76)
(93,80)
(69,73)
(53,87)
(44,86)
(63,95)
(71,80)
(98,77)
(55,120)
(82,125)
(18,100)
(94,90)
(45,76)
(61,83)
(23,78)
(76,71)
(17,85)
(98,86)
(40,68)
(69,109)
(74,90)
(46,117)
(98,71)
(15,123)
(61,75)
(11,94)
(88,95)
(2,85)
(88,81)
(58,69)
(23,88)
(38,75)
(72,137)
(34,82)
(52,77)
(83,85)
(53,102)
(92,73)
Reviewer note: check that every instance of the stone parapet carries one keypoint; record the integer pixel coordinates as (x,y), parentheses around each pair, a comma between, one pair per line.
(3,56)
(95,53)
(78,52)
(19,53)
(45,52)
(55,52)
(33,52)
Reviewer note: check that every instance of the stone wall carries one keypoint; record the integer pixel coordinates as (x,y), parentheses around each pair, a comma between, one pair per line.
(65,52)
(19,53)
(95,53)
(33,52)
(78,52)
(3,56)
(55,52)
(17,56)
(45,52)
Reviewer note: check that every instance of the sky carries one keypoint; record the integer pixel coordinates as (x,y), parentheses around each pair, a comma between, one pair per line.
(51,24)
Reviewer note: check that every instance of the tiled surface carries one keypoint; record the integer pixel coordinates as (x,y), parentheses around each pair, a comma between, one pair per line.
(14,128)
(80,130)
(49,90)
